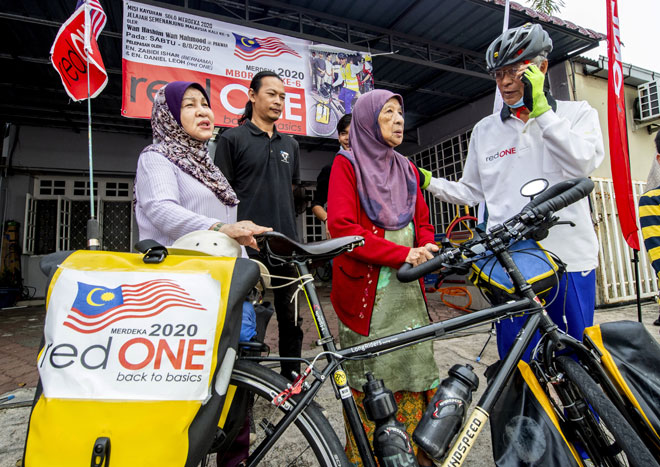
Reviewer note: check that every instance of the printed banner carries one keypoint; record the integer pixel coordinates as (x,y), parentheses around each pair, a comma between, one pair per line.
(162,45)
(129,336)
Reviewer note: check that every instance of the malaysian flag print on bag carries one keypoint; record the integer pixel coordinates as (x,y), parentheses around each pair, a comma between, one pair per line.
(96,308)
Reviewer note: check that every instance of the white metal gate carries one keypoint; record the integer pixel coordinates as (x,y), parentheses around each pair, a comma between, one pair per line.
(616,275)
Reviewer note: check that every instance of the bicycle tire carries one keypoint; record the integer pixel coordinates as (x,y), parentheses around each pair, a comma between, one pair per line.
(623,445)
(309,441)
(322,129)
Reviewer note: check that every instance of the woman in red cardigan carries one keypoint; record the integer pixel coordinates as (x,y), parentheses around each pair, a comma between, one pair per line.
(374,192)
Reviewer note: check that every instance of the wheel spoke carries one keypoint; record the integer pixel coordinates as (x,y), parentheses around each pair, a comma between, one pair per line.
(601,428)
(308,441)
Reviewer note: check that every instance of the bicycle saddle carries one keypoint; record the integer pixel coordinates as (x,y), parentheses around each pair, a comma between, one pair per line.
(280,247)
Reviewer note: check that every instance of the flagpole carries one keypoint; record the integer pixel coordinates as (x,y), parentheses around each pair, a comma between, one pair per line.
(93,242)
(617,124)
(498,103)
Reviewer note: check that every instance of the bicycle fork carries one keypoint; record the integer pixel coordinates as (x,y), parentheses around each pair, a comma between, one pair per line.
(477,419)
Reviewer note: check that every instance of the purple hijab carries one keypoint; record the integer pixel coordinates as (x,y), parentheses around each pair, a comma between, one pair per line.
(184,151)
(386,181)
(174,92)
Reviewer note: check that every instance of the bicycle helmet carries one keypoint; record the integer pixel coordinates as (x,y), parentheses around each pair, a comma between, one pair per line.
(212,243)
(341,55)
(517,44)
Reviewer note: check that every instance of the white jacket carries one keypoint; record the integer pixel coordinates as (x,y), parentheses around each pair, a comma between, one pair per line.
(503,155)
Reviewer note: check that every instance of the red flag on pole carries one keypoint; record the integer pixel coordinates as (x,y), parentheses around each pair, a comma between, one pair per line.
(69,52)
(616,122)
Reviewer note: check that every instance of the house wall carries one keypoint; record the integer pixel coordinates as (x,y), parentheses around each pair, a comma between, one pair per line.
(52,151)
(640,143)
(465,117)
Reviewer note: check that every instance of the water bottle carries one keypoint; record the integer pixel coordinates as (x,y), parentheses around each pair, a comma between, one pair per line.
(391,440)
(446,412)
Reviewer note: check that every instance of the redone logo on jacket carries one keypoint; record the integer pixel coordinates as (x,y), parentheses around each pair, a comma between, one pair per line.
(501,154)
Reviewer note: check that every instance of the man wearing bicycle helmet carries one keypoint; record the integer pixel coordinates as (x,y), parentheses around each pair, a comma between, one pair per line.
(534,136)
(348,80)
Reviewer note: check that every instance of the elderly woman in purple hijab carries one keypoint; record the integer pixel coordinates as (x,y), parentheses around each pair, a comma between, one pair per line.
(374,192)
(178,188)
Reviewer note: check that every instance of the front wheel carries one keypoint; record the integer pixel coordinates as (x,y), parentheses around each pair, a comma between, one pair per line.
(309,441)
(604,433)
(328,124)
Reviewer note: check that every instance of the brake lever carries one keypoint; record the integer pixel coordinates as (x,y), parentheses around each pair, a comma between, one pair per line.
(461,269)
(571,223)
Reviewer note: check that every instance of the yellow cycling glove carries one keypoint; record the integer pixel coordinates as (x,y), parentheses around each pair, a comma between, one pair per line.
(534,96)
(424,178)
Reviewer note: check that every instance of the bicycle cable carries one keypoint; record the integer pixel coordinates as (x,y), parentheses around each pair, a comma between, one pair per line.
(304,280)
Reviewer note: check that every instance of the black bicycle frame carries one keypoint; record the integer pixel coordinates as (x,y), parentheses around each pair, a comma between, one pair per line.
(391,343)
(530,305)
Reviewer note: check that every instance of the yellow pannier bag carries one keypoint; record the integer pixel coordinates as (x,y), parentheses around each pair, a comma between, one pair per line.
(525,429)
(136,360)
(631,357)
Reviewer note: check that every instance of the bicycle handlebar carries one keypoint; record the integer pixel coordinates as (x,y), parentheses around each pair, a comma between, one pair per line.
(408,273)
(550,201)
(559,196)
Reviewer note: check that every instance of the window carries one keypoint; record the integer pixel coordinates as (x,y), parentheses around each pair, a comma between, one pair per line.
(51,187)
(81,188)
(313,229)
(444,160)
(56,215)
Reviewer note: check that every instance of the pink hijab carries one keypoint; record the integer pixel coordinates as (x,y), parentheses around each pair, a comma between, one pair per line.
(386,181)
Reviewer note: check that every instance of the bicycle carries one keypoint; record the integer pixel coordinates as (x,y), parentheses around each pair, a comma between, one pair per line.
(325,112)
(587,405)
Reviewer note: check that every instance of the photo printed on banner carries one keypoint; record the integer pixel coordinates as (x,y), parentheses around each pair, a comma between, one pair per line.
(162,45)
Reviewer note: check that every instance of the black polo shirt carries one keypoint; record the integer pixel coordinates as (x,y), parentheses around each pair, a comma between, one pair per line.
(322,186)
(261,170)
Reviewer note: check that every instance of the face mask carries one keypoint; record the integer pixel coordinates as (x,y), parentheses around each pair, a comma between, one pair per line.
(518,104)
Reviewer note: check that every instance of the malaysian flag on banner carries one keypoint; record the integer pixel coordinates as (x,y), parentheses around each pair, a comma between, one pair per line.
(97,307)
(251,48)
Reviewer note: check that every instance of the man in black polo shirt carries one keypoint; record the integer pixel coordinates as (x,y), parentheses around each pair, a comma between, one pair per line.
(262,165)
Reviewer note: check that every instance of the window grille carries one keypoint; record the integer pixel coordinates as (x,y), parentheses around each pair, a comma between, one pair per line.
(45,226)
(56,215)
(444,160)
(63,223)
(79,217)
(116,216)
(313,229)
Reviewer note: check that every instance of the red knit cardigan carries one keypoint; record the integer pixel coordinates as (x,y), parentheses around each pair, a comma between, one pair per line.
(355,274)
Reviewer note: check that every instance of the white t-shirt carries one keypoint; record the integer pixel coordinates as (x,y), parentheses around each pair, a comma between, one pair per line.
(503,155)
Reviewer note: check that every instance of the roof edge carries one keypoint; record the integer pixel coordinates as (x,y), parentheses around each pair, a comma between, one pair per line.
(555,20)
